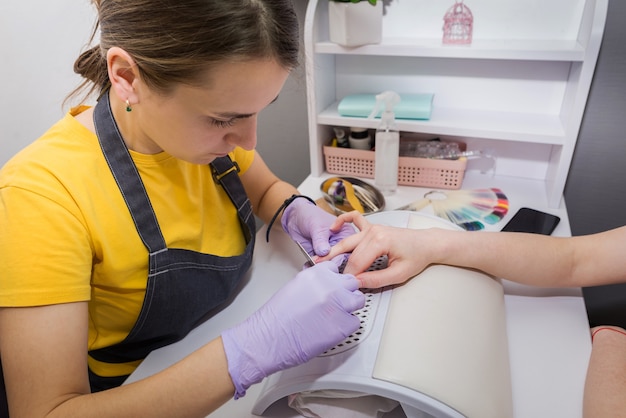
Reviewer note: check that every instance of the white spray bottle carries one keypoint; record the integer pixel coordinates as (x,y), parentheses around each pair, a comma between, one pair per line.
(387,144)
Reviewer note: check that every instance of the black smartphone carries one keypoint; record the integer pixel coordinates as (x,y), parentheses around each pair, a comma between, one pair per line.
(532,221)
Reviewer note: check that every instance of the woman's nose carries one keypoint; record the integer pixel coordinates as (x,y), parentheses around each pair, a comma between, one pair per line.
(244,134)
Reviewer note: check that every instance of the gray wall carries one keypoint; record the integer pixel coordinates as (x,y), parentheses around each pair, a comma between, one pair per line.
(596,191)
(283,137)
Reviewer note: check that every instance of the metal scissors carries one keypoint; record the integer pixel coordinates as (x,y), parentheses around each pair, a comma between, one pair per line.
(309,260)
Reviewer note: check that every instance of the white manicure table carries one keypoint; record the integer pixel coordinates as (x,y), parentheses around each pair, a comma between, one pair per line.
(548,333)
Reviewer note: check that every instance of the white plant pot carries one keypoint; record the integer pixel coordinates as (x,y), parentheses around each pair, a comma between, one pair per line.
(355,24)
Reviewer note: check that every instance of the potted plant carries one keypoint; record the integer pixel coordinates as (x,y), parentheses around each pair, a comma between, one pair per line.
(355,22)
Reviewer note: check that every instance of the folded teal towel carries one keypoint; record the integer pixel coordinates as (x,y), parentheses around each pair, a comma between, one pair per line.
(411,106)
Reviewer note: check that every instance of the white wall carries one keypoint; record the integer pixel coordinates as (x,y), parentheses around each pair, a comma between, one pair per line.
(39,42)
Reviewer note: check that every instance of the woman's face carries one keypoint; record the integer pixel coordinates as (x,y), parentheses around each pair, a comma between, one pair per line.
(199,124)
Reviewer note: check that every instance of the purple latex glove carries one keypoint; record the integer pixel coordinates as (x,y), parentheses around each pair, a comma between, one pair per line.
(309,225)
(309,315)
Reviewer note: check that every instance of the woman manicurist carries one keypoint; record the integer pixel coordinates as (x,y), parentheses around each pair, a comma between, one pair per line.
(125,224)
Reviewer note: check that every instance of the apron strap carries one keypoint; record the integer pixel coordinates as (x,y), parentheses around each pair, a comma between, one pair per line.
(126,176)
(225,171)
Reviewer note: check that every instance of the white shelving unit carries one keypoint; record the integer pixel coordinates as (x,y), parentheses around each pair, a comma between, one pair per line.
(519,89)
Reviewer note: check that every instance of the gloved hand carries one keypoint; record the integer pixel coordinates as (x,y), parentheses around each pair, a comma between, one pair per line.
(309,225)
(309,315)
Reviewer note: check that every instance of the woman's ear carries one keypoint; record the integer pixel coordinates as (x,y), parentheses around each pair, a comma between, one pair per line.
(123,74)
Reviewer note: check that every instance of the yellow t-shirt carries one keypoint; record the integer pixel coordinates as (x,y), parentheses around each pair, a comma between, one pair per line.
(66,234)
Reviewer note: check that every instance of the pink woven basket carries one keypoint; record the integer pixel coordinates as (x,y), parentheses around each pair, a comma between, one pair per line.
(422,172)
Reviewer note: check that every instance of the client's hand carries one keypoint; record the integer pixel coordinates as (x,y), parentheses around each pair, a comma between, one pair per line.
(310,226)
(405,249)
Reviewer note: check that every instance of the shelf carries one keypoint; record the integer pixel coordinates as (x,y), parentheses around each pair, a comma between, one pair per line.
(520,88)
(505,126)
(530,50)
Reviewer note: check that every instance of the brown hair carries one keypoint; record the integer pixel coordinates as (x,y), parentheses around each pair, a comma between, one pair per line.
(174,41)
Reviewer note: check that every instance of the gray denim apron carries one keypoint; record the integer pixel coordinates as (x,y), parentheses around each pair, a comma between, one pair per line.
(183,286)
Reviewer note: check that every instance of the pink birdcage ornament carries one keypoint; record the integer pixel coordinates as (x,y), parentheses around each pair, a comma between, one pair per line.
(458,23)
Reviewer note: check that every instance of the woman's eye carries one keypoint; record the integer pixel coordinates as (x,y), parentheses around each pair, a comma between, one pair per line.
(223,123)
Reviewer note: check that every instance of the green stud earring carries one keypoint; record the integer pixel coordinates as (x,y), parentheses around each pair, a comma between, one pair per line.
(128,108)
